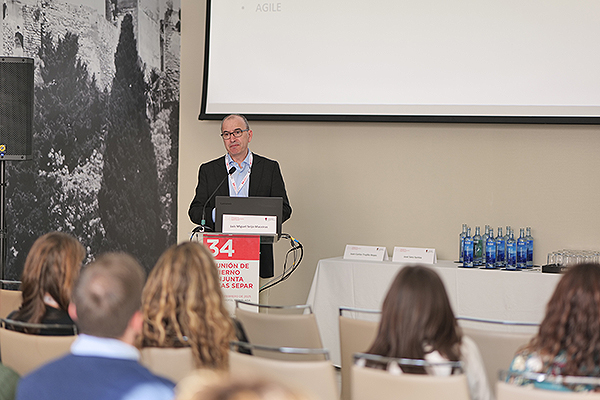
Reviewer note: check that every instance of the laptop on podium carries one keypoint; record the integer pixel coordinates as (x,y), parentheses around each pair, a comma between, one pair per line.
(231,207)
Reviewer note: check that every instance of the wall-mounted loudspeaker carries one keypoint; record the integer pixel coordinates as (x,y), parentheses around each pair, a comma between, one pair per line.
(16,108)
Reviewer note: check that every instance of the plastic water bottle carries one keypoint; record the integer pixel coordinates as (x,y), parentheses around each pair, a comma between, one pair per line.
(490,250)
(468,250)
(477,248)
(500,249)
(511,252)
(522,250)
(461,242)
(529,240)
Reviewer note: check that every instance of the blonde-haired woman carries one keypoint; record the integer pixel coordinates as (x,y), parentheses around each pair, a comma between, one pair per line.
(183,306)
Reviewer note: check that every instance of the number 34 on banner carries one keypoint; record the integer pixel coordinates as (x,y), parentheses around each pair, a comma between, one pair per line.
(233,247)
(227,248)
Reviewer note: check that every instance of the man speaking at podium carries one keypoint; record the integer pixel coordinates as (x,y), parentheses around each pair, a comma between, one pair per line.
(254,175)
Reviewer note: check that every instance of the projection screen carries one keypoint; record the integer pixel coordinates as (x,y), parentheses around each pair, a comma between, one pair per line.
(522,61)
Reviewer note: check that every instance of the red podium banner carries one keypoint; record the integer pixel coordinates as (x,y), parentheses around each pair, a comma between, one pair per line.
(238,260)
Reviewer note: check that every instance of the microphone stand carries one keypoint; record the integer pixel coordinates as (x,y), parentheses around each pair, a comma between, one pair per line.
(203,227)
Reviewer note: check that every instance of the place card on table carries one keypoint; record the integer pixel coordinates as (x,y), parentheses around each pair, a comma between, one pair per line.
(414,254)
(370,253)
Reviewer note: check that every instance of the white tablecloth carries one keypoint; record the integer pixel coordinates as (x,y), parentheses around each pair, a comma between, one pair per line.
(489,294)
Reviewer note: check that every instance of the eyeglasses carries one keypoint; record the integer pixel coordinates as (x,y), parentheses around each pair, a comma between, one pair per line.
(236,133)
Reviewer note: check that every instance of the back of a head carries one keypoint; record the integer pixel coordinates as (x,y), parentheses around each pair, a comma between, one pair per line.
(572,319)
(108,294)
(185,272)
(249,390)
(416,312)
(51,267)
(581,281)
(206,385)
(182,304)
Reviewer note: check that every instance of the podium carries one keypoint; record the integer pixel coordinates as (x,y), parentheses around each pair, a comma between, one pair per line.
(238,264)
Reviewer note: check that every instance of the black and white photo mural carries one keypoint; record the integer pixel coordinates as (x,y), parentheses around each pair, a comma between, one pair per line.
(105,137)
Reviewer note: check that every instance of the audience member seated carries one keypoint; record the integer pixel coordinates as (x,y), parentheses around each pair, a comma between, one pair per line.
(183,306)
(8,383)
(417,322)
(207,385)
(103,363)
(568,340)
(51,269)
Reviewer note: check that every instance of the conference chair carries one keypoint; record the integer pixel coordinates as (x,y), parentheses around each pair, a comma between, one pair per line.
(509,391)
(391,384)
(10,300)
(497,341)
(315,378)
(281,326)
(172,363)
(356,336)
(24,352)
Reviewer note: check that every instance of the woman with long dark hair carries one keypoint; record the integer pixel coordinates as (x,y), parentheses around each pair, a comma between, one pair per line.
(568,341)
(417,322)
(51,269)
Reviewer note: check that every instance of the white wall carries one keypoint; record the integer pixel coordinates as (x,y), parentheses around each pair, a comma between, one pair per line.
(398,184)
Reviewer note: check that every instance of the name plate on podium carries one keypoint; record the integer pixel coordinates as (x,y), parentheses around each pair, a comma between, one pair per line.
(255,224)
(414,254)
(371,253)
(238,260)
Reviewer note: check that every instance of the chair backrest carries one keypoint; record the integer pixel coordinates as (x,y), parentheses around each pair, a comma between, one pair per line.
(356,336)
(316,379)
(25,352)
(534,386)
(507,391)
(172,363)
(279,330)
(498,347)
(371,383)
(10,300)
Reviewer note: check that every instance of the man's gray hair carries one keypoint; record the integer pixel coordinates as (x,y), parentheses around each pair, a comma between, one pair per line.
(233,116)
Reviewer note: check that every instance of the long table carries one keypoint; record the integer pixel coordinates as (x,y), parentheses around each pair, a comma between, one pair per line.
(519,296)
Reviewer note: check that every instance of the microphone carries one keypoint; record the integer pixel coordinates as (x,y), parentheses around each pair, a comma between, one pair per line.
(203,222)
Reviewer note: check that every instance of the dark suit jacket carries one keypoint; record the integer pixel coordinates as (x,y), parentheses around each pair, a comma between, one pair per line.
(265,181)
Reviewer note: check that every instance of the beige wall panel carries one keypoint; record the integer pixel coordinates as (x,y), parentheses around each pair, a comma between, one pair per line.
(399,184)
